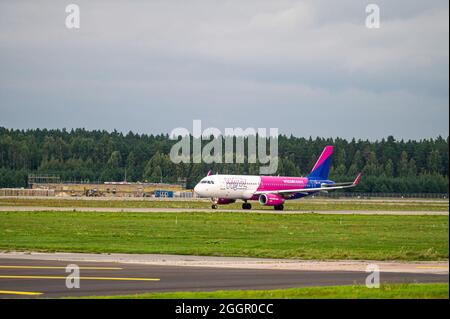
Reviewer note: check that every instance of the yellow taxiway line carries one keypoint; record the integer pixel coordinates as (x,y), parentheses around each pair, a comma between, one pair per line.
(23,293)
(58,267)
(80,278)
(432,267)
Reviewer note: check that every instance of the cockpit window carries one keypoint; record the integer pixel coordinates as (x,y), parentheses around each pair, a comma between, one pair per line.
(207,182)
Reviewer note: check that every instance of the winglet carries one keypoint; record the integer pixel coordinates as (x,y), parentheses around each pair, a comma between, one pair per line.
(209,173)
(357,179)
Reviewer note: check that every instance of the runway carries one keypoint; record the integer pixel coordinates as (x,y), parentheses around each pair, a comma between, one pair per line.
(34,278)
(203,210)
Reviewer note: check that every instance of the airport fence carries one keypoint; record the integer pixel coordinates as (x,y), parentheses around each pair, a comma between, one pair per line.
(26,192)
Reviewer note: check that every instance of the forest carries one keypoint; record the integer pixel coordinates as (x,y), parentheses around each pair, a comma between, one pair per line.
(389,165)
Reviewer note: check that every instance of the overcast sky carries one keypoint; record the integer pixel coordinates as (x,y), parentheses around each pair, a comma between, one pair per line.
(306,67)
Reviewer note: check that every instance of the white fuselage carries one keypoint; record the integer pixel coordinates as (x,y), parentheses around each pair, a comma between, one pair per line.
(228,186)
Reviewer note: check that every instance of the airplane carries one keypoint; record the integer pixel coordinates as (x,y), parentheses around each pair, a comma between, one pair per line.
(270,190)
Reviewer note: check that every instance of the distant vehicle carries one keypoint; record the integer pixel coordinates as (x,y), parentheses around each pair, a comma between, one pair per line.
(270,190)
(93,192)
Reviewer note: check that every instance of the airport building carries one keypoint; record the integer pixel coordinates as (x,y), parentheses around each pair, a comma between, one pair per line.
(51,185)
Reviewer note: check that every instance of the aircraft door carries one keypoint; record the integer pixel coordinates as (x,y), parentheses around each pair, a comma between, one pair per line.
(223,188)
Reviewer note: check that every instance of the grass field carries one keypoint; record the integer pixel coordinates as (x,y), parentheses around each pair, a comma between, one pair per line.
(309,236)
(304,205)
(390,291)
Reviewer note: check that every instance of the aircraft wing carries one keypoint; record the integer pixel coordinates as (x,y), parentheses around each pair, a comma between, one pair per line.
(313,190)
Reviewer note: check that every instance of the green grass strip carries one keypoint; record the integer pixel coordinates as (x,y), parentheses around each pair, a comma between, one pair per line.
(303,205)
(308,236)
(387,291)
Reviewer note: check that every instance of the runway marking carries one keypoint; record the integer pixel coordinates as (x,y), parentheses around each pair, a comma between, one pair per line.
(58,267)
(80,278)
(24,293)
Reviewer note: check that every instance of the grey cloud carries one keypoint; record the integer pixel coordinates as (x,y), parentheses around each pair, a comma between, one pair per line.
(307,67)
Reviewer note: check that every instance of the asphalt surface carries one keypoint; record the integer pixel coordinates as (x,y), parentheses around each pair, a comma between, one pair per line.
(208,210)
(20,278)
(434,267)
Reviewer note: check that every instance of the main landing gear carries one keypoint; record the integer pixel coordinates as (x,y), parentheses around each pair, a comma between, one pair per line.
(214,206)
(279,207)
(246,206)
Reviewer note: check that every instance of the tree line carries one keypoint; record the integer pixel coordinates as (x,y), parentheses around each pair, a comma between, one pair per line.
(389,165)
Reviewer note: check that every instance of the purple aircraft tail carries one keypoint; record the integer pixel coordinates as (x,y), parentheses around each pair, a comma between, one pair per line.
(322,167)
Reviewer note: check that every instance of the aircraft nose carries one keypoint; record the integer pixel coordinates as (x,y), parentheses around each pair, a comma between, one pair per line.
(197,190)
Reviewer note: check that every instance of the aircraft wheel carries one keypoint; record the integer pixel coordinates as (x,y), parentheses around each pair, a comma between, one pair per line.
(246,206)
(214,206)
(279,207)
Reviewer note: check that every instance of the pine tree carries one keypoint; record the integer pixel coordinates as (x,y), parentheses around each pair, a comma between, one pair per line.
(389,168)
(403,165)
(433,162)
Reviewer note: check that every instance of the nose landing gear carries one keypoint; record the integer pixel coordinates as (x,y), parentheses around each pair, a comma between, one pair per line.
(214,203)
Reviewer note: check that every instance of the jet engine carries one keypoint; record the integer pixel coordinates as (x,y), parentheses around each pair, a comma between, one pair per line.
(270,200)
